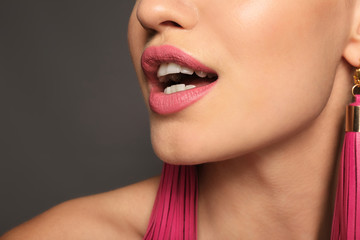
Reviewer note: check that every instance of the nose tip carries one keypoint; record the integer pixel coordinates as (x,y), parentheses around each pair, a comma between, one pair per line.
(157,15)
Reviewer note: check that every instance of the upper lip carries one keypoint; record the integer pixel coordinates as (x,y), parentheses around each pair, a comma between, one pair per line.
(154,56)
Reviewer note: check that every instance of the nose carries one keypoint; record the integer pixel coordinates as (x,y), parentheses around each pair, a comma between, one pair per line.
(157,15)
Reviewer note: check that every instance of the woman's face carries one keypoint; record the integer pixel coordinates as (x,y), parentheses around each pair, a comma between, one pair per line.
(274,60)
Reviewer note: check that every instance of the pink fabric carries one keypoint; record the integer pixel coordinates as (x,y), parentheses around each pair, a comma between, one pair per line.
(174,215)
(346,219)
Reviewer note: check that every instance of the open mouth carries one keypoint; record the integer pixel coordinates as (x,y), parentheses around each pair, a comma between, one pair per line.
(175,78)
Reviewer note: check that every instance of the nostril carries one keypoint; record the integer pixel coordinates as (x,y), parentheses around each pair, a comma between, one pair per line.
(171,23)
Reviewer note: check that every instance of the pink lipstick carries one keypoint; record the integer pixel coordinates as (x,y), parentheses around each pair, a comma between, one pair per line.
(176,79)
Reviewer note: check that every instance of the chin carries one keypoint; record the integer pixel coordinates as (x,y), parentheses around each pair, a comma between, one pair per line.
(185,149)
(177,151)
(181,141)
(178,155)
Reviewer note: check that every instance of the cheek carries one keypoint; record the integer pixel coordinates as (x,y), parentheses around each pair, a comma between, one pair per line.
(280,53)
(275,51)
(280,57)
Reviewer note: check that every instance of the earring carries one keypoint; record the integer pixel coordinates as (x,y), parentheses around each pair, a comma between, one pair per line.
(346,218)
(174,214)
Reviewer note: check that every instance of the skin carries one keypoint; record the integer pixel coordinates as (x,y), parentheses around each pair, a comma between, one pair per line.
(267,136)
(271,126)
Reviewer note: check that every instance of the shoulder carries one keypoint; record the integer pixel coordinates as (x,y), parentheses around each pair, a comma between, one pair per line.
(118,214)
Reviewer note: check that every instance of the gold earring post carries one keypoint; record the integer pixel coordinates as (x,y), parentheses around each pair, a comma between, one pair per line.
(352,122)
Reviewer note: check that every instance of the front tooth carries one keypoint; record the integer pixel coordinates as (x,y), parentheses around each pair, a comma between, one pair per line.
(186,70)
(162,70)
(180,87)
(173,89)
(173,68)
(177,88)
(167,90)
(201,74)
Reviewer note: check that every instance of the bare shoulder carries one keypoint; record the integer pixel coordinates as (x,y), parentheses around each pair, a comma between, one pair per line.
(118,214)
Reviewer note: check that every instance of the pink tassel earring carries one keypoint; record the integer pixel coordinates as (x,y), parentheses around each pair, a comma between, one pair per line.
(346,219)
(174,215)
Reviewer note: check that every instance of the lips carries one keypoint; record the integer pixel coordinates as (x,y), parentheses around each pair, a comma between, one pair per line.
(173,91)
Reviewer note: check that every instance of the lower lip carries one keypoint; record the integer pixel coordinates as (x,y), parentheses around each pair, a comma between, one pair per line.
(164,104)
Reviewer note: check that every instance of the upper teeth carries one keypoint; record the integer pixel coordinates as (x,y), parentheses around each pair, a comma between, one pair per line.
(173,68)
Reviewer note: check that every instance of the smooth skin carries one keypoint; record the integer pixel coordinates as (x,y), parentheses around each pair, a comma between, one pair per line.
(267,136)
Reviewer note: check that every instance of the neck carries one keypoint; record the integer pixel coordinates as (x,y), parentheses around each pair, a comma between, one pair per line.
(285,191)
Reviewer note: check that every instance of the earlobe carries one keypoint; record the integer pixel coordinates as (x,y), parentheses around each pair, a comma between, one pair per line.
(352,52)
(352,49)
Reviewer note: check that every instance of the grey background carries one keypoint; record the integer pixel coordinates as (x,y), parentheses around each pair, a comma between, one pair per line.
(72,118)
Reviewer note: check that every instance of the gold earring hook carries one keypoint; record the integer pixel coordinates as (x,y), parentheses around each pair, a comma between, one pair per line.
(357,76)
(356,81)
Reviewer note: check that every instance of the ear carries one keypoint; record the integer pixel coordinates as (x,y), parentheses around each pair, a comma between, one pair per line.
(352,49)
